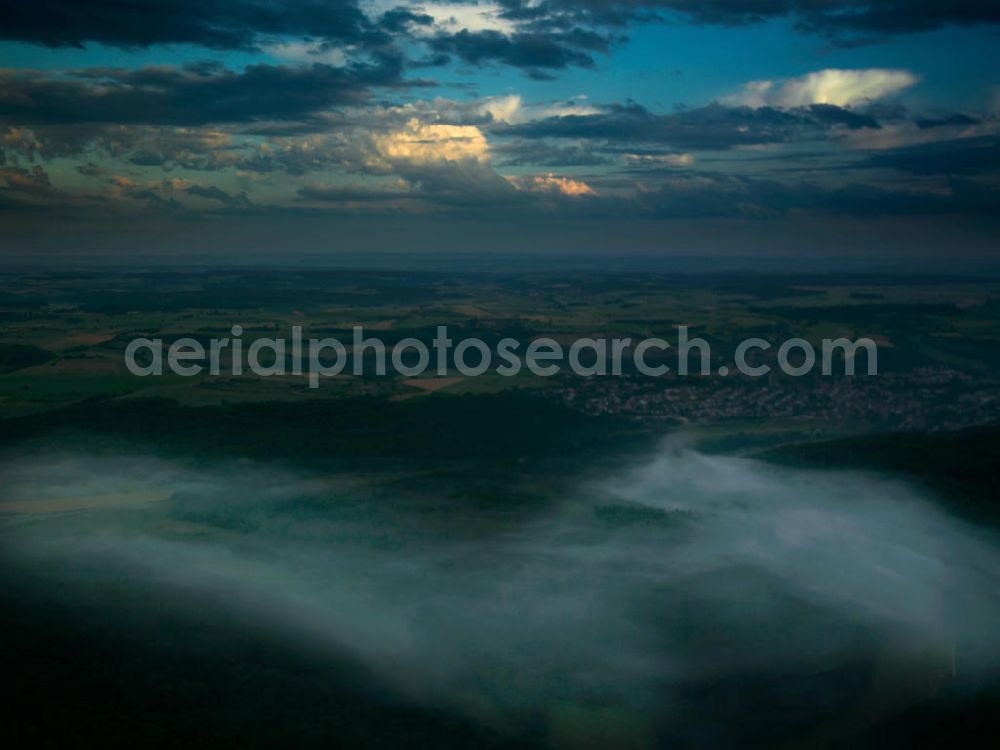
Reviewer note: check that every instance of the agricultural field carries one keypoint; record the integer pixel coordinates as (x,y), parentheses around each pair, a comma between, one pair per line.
(63,336)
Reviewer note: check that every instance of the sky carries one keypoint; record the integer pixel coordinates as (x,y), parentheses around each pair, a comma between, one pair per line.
(249,129)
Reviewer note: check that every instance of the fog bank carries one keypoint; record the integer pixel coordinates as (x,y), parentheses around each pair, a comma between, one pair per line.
(679,598)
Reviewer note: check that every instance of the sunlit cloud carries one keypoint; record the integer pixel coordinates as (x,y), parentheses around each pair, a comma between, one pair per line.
(513,110)
(842,88)
(661,160)
(453,17)
(550,183)
(424,143)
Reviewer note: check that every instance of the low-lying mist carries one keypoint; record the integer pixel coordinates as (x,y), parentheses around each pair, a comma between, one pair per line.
(695,599)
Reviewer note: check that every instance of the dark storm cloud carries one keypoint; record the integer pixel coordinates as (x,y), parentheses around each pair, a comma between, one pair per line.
(401,19)
(894,16)
(713,127)
(298,159)
(961,156)
(554,34)
(550,35)
(141,145)
(832,17)
(189,95)
(834,115)
(220,24)
(523,50)
(539,153)
(49,142)
(730,196)
(847,22)
(242,24)
(959,119)
(680,194)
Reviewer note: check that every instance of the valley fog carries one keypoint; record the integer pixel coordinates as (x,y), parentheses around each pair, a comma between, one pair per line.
(671,603)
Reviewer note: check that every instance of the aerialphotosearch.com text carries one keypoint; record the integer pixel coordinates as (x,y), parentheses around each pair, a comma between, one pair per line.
(317,358)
